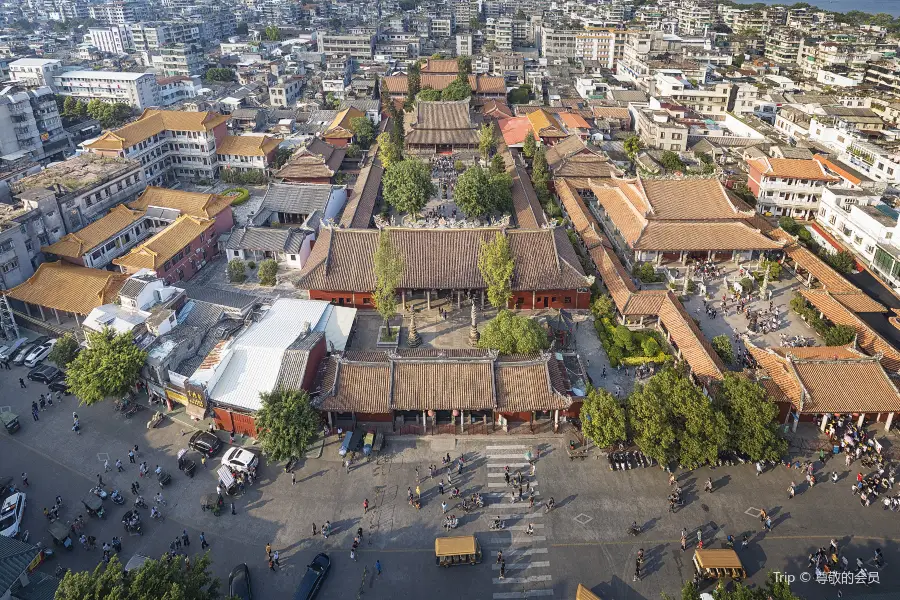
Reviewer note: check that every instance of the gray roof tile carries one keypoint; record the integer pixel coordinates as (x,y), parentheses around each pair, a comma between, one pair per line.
(296,198)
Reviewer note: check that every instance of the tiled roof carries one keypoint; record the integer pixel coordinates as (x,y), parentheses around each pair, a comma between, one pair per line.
(154,121)
(647,302)
(527,207)
(611,112)
(341,125)
(496,109)
(690,200)
(296,198)
(572,120)
(526,387)
(15,556)
(356,385)
(578,213)
(543,125)
(442,115)
(845,172)
(514,130)
(69,288)
(828,379)
(443,384)
(188,203)
(695,348)
(266,239)
(616,279)
(154,252)
(693,236)
(76,245)
(295,360)
(867,338)
(623,214)
(219,297)
(247,145)
(318,159)
(482,84)
(437,65)
(441,259)
(361,204)
(795,168)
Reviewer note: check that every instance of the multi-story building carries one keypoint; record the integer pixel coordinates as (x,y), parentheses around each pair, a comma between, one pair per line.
(605,46)
(169,144)
(155,36)
(399,44)
(286,92)
(658,128)
(442,26)
(695,19)
(184,60)
(176,88)
(464,44)
(30,124)
(356,46)
(139,90)
(873,161)
(788,186)
(885,75)
(246,153)
(117,12)
(558,43)
(113,39)
(709,101)
(35,72)
(499,32)
(744,99)
(783,45)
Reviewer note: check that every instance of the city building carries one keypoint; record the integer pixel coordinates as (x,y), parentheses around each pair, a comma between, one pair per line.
(176,88)
(139,90)
(355,46)
(660,128)
(484,87)
(35,72)
(788,186)
(300,204)
(30,124)
(156,36)
(865,225)
(318,162)
(184,60)
(103,240)
(441,127)
(286,92)
(245,153)
(113,39)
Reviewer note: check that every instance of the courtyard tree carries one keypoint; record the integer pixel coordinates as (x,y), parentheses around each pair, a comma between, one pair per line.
(487,140)
(288,424)
(722,345)
(407,185)
(529,147)
(752,419)
(671,161)
(363,131)
(508,333)
(389,152)
(632,146)
(459,89)
(496,265)
(64,351)
(268,270)
(413,83)
(273,33)
(388,273)
(429,95)
(498,165)
(220,74)
(473,192)
(237,271)
(603,418)
(842,262)
(109,366)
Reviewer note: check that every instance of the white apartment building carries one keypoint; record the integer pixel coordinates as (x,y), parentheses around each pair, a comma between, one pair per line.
(710,101)
(286,92)
(499,32)
(603,45)
(30,124)
(860,220)
(184,60)
(783,45)
(788,186)
(155,36)
(356,46)
(34,72)
(117,12)
(744,99)
(695,19)
(464,45)
(115,39)
(558,43)
(136,89)
(874,161)
(442,26)
(175,89)
(659,128)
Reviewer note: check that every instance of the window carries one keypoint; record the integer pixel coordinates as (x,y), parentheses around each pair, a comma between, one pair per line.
(6,246)
(833,219)
(28,245)
(567,299)
(13,264)
(888,235)
(167,266)
(367,301)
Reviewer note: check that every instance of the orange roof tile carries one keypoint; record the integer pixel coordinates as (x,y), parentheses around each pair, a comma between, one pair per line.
(247,145)
(695,348)
(189,203)
(573,120)
(69,288)
(544,125)
(838,169)
(514,130)
(156,251)
(154,121)
(438,65)
(797,168)
(76,245)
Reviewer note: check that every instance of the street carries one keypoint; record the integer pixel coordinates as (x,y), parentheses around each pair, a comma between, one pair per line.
(583,540)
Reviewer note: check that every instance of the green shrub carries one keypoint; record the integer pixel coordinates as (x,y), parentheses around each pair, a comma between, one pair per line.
(237,271)
(238,195)
(789,225)
(650,347)
(268,269)
(746,284)
(251,265)
(646,272)
(722,345)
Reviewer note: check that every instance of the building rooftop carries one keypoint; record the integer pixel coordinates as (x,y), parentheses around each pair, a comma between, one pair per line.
(190,203)
(154,121)
(110,75)
(159,249)
(75,245)
(247,145)
(77,173)
(69,288)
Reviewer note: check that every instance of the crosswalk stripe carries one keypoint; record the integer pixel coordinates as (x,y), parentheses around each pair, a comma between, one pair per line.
(525,539)
(513,515)
(518,595)
(511,465)
(523,527)
(502,474)
(495,484)
(521,552)
(507,446)
(529,579)
(535,564)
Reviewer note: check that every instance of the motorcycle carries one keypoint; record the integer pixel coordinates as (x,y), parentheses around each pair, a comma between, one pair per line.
(455,493)
(117,498)
(99,492)
(139,503)
(451,522)
(497,525)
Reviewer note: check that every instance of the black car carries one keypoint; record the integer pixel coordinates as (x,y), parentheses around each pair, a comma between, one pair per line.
(205,442)
(60,385)
(239,583)
(44,373)
(315,575)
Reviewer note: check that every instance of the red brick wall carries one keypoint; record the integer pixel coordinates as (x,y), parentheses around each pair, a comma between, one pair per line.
(239,423)
(554,298)
(312,364)
(353,299)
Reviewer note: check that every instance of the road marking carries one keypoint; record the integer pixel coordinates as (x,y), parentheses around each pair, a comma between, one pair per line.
(507,447)
(529,579)
(514,515)
(516,595)
(753,512)
(102,456)
(583,519)
(511,465)
(536,564)
(525,539)
(519,552)
(523,527)
(497,484)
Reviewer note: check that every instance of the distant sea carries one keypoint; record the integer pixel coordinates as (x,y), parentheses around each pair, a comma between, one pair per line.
(891,7)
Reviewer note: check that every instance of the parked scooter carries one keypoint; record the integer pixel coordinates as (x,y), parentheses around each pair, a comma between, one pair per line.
(117,498)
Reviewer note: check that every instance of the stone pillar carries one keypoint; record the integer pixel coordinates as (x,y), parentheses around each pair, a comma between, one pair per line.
(659,256)
(556,420)
(709,254)
(825,422)
(794,426)
(462,421)
(428,298)
(28,309)
(887,424)
(56,314)
(533,299)
(403,298)
(862,418)
(41,310)
(76,319)
(330,420)
(483,293)
(458,300)
(682,257)
(808,279)
(424,422)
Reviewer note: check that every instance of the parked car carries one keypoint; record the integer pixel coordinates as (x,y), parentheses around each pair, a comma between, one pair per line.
(240,459)
(12,348)
(37,355)
(239,583)
(205,442)
(11,514)
(44,374)
(26,349)
(312,580)
(61,386)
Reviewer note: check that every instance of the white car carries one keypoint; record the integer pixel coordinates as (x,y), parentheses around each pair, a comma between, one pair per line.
(39,353)
(240,459)
(11,514)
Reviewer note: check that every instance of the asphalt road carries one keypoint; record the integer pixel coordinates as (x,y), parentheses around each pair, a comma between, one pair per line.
(582,541)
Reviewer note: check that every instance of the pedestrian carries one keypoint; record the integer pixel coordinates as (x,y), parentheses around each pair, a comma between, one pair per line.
(768,523)
(502,569)
(506,477)
(532,469)
(100,478)
(117,544)
(430,471)
(378,567)
(834,477)
(43,402)
(314,529)
(683,540)
(131,456)
(791,490)
(184,538)
(275,558)
(637,571)
(700,536)
(177,542)
(271,563)
(499,556)
(269,550)
(441,487)
(443,507)
(203,543)
(133,489)
(418,492)
(352,554)
(744,542)
(365,506)
(293,478)
(232,509)
(203,460)
(22,383)
(50,400)
(25,479)
(417,474)
(119,467)
(106,466)
(759,468)
(325,529)
(231,440)
(34,415)
(531,502)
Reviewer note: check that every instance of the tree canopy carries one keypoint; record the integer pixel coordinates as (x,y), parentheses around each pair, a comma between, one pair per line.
(529,147)
(751,419)
(288,424)
(163,579)
(513,334)
(498,165)
(633,145)
(671,161)
(478,193)
(109,366)
(428,95)
(108,115)
(487,140)
(407,185)
(363,130)
(219,74)
(774,589)
(268,270)
(496,265)
(603,418)
(388,271)
(458,89)
(64,351)
(389,152)
(273,33)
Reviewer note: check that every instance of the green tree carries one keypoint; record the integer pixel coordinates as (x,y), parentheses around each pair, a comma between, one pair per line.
(603,418)
(268,269)
(501,192)
(839,335)
(672,420)
(773,266)
(94,107)
(722,345)
(459,89)
(81,109)
(69,107)
(413,83)
(498,165)
(842,262)
(363,131)
(487,140)
(331,101)
(752,419)
(64,351)
(237,271)
(496,265)
(464,66)
(282,155)
(389,152)
(388,273)
(273,33)
(407,185)
(109,366)
(428,95)
(219,74)
(398,134)
(513,334)
(473,193)
(529,147)
(288,424)
(671,161)
(789,225)
(633,145)
(540,172)
(520,95)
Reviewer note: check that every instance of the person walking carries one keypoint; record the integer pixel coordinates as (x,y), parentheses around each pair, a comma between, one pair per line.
(34,414)
(532,469)
(768,523)
(184,538)
(506,477)
(119,467)
(203,460)
(744,541)
(418,493)
(25,479)
(177,542)
(271,564)
(131,456)
(100,477)
(203,543)
(378,567)
(441,487)
(269,550)
(22,383)
(683,540)
(709,485)
(314,530)
(502,569)
(499,556)
(759,468)
(365,506)
(443,507)
(275,558)
(791,490)
(293,478)
(353,554)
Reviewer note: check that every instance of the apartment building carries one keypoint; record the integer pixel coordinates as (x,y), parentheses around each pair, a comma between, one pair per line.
(875,162)
(177,88)
(119,12)
(169,144)
(695,19)
(114,39)
(606,46)
(744,99)
(245,153)
(783,45)
(865,224)
(155,36)
(442,26)
(745,20)
(659,128)
(399,44)
(34,72)
(183,60)
(286,92)
(30,124)
(558,43)
(499,32)
(139,90)
(709,101)
(360,46)
(464,44)
(788,186)
(885,75)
